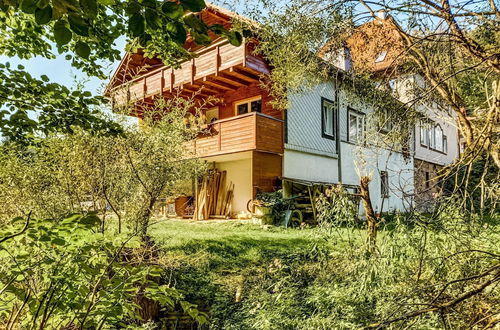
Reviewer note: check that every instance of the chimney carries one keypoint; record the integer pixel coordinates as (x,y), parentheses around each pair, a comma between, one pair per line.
(382,14)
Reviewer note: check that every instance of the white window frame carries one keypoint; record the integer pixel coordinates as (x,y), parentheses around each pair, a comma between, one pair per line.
(324,124)
(438,138)
(358,137)
(386,122)
(247,101)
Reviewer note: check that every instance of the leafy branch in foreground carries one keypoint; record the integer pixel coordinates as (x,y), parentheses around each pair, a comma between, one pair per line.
(86,31)
(65,275)
(53,107)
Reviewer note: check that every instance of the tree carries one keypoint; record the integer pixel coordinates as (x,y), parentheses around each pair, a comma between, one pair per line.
(117,175)
(85,31)
(63,274)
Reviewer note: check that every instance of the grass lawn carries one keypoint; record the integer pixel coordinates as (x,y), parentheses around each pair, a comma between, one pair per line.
(249,277)
(225,246)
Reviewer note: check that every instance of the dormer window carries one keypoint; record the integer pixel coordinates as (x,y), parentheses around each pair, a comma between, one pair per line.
(381,56)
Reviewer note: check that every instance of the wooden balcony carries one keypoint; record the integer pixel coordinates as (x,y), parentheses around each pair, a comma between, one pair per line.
(251,131)
(217,69)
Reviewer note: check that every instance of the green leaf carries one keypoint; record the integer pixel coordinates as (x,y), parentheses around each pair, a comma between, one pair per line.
(28,6)
(133,7)
(78,25)
(44,78)
(152,18)
(201,39)
(43,15)
(58,241)
(62,34)
(107,2)
(172,10)
(193,5)
(194,23)
(177,32)
(82,49)
(89,7)
(42,3)
(136,25)
(218,29)
(235,38)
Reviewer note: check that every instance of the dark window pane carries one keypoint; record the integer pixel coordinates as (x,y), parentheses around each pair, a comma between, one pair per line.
(242,108)
(257,106)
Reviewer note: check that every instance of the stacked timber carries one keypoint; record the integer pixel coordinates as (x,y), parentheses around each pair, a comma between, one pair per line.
(214,198)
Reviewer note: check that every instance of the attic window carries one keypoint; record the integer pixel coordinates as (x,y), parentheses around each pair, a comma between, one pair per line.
(381,56)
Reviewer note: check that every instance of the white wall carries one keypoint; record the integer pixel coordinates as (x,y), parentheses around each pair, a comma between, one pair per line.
(240,173)
(308,156)
(305,166)
(443,116)
(360,161)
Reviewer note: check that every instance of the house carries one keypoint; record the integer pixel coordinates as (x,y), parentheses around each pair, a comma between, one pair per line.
(318,139)
(377,47)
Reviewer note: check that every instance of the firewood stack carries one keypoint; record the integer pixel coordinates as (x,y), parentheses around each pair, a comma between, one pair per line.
(214,199)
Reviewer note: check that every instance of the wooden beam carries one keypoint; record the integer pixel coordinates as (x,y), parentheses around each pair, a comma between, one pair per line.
(217,60)
(243,75)
(219,84)
(231,79)
(209,89)
(253,72)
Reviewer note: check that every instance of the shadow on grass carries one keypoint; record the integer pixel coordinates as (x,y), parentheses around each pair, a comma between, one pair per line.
(237,252)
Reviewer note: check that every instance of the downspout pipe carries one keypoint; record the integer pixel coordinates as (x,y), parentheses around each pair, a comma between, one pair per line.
(337,131)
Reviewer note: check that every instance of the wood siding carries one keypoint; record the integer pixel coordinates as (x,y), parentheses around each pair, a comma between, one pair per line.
(266,170)
(252,131)
(222,59)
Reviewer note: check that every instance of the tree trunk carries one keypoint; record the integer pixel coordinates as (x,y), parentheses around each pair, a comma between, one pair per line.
(371,217)
(144,216)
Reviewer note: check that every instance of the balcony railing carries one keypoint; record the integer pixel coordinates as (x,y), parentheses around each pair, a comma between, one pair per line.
(217,68)
(251,131)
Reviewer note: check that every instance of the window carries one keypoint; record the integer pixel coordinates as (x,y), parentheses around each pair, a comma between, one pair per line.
(385,121)
(438,138)
(249,105)
(328,118)
(431,135)
(432,138)
(356,126)
(212,115)
(384,184)
(381,56)
(423,135)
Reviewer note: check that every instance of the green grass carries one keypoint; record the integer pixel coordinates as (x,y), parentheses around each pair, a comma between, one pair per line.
(312,279)
(230,245)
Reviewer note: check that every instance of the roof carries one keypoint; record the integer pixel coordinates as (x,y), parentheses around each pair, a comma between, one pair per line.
(133,64)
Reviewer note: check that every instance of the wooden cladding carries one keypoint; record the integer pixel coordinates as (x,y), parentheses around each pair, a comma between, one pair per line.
(266,169)
(252,131)
(217,68)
